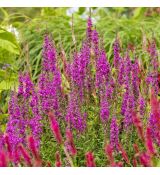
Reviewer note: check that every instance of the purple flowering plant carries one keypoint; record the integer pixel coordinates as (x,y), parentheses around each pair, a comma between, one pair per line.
(104,108)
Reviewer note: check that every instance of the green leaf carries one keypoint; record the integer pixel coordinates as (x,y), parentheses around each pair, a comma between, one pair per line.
(139,12)
(7,85)
(8,75)
(3,116)
(8,44)
(81,10)
(158,163)
(4,12)
(3,128)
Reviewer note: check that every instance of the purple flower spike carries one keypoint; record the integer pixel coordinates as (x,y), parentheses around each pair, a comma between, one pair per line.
(114,132)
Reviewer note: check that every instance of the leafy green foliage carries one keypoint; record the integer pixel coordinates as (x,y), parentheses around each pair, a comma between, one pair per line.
(8,46)
(129,24)
(9,51)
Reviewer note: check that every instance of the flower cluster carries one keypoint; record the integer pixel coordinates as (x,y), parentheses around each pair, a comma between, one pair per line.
(114,133)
